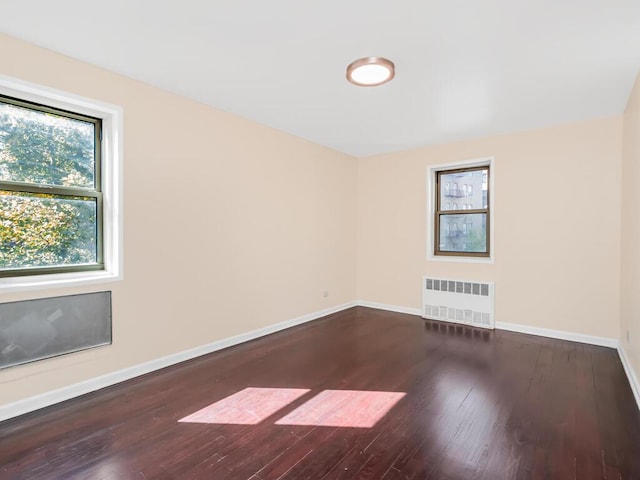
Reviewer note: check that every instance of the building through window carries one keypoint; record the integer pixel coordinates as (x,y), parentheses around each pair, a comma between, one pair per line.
(462,231)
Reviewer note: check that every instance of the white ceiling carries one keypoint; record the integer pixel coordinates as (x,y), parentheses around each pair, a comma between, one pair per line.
(464,68)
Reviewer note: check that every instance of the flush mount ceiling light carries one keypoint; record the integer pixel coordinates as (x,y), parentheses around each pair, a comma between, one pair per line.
(370,71)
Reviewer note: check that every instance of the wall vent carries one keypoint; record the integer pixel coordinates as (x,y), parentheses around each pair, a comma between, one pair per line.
(459,301)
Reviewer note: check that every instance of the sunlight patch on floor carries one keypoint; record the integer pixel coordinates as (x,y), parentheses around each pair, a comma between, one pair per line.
(246,407)
(343,408)
(329,408)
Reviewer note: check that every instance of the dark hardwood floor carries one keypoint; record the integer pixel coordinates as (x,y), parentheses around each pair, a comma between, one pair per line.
(478,405)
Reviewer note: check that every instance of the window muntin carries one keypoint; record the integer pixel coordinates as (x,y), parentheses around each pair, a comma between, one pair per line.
(50,190)
(462,232)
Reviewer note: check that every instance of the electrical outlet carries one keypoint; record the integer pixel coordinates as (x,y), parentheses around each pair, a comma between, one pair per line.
(325,294)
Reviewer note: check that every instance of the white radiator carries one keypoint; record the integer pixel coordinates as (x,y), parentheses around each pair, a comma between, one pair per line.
(459,301)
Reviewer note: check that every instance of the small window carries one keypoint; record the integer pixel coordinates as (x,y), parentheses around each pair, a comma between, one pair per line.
(472,237)
(50,190)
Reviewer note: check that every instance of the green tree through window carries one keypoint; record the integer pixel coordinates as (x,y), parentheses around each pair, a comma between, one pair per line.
(50,195)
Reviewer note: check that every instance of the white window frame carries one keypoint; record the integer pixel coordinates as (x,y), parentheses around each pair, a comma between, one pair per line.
(112,131)
(431,203)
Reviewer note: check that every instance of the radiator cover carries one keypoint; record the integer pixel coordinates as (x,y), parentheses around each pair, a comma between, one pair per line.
(459,301)
(33,330)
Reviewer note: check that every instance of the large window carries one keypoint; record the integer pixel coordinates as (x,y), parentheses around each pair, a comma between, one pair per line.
(60,188)
(465,231)
(50,190)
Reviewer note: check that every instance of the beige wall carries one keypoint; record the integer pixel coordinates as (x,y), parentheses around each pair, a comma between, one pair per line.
(630,299)
(229,226)
(557,226)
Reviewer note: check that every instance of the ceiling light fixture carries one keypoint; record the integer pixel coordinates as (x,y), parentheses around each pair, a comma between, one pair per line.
(370,71)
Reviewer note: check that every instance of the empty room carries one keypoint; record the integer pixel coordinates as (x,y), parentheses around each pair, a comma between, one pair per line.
(327,240)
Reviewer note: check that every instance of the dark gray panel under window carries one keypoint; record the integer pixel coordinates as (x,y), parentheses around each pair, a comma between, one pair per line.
(37,329)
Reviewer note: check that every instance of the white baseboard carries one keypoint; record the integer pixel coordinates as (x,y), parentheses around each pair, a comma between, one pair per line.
(512,327)
(559,334)
(631,374)
(55,396)
(390,308)
(542,332)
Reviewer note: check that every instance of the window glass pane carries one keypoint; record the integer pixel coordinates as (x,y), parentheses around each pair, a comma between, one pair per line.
(45,149)
(467,186)
(463,233)
(40,230)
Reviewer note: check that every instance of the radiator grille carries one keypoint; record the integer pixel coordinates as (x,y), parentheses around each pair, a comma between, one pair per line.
(459,301)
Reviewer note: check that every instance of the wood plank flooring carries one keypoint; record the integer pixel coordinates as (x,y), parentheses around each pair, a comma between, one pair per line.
(478,405)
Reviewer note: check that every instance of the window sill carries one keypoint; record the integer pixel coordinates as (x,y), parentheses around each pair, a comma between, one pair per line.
(447,258)
(42,282)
